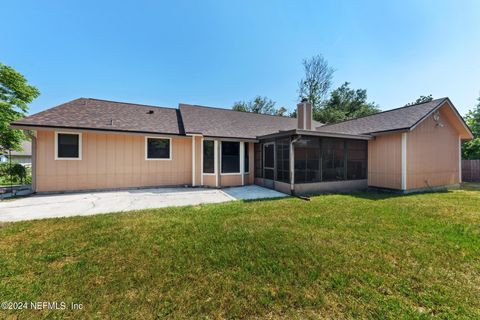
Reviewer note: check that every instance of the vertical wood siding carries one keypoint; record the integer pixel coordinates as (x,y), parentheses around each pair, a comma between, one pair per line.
(111,161)
(433,153)
(385,161)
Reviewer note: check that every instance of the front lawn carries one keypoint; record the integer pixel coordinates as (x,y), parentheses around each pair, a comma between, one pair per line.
(363,255)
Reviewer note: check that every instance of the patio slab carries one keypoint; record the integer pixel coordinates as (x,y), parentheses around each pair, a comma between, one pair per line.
(83,204)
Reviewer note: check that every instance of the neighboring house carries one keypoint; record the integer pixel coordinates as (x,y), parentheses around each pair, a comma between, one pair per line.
(24,156)
(91,144)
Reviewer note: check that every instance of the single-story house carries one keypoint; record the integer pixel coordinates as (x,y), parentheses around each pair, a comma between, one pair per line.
(92,144)
(23,156)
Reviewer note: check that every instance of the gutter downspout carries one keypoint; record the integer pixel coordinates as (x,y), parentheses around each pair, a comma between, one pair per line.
(292,165)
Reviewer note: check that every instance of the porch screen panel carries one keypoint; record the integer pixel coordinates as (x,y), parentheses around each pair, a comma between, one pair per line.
(307,160)
(283,160)
(269,161)
(333,159)
(356,160)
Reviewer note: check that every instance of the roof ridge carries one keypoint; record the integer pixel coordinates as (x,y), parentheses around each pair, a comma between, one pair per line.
(441,100)
(219,108)
(130,103)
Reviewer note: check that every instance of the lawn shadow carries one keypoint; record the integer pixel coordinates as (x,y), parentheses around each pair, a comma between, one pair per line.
(375,194)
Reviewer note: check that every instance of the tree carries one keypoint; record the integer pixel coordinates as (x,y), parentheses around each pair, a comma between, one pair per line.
(282,112)
(316,82)
(345,104)
(471,149)
(259,104)
(422,99)
(15,95)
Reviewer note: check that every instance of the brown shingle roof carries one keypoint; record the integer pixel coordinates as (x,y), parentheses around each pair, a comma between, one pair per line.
(87,113)
(390,120)
(217,122)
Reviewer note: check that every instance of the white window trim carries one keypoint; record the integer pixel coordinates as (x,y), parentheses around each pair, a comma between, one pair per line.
(193,161)
(239,160)
(214,160)
(79,145)
(216,163)
(160,159)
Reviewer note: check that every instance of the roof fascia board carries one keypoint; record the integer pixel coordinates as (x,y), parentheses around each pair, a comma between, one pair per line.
(461,118)
(441,104)
(334,135)
(317,134)
(386,132)
(239,139)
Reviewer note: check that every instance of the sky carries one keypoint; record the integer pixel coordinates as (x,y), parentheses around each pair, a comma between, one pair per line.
(217,52)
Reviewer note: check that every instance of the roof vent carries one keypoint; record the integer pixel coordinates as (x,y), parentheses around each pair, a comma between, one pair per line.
(111,121)
(150,112)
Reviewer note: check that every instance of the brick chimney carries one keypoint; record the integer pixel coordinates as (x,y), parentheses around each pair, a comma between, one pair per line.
(304,115)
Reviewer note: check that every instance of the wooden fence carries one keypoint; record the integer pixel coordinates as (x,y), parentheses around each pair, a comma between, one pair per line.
(471,170)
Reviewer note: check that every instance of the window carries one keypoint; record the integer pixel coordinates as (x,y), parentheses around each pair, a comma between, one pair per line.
(208,156)
(158,148)
(246,164)
(356,160)
(307,160)
(333,159)
(283,160)
(68,146)
(230,157)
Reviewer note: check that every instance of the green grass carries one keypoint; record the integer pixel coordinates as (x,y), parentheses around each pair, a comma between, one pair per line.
(366,255)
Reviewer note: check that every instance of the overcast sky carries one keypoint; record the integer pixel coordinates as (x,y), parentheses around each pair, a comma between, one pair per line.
(218,52)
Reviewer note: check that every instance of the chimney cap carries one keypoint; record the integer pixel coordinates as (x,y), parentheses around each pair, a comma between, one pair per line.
(304,100)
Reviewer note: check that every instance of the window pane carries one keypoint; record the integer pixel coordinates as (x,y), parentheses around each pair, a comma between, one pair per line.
(158,148)
(283,160)
(247,165)
(208,156)
(230,157)
(356,160)
(68,145)
(333,159)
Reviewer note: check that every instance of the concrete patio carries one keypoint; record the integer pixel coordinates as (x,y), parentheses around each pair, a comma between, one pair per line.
(84,204)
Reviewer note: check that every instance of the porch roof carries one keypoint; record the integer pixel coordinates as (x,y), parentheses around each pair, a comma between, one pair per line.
(286,133)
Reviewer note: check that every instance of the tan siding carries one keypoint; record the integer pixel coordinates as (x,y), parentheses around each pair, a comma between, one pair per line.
(433,153)
(209,180)
(385,161)
(231,180)
(111,161)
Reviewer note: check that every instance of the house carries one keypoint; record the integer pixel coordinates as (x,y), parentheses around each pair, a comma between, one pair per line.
(92,144)
(24,156)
